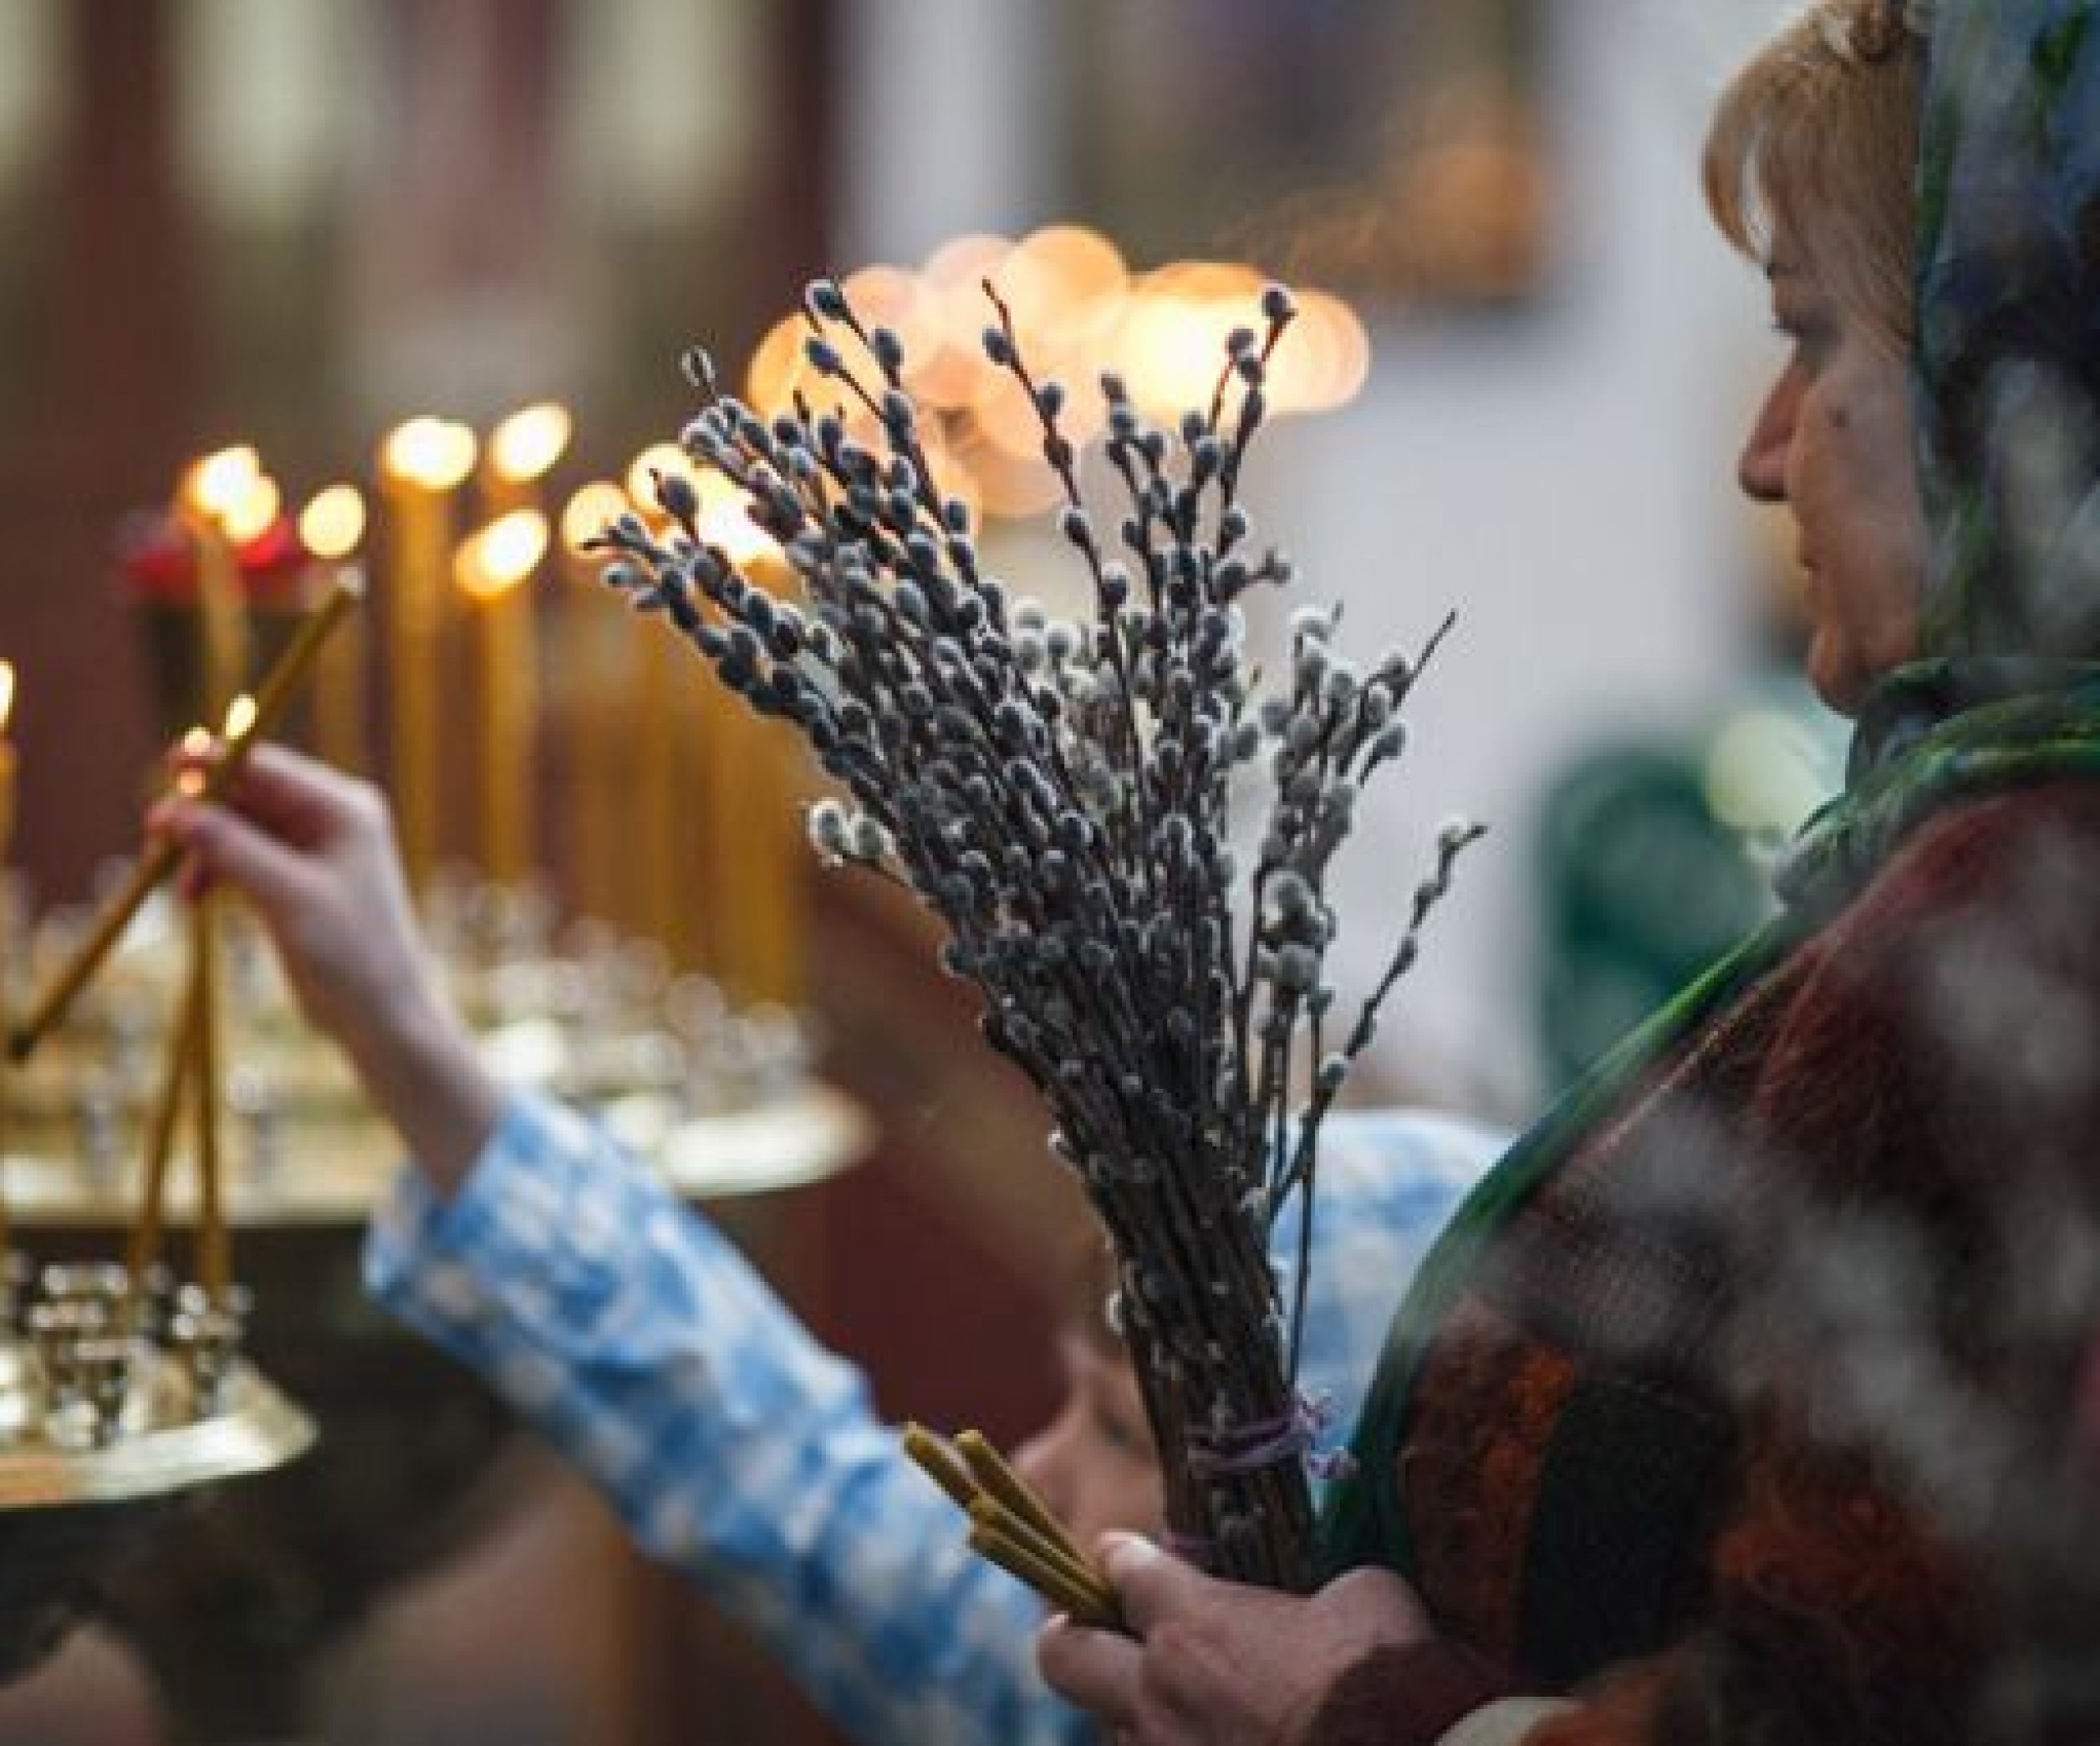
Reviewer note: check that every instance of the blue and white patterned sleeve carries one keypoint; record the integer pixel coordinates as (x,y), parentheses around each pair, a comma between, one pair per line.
(1388,1181)
(628,1331)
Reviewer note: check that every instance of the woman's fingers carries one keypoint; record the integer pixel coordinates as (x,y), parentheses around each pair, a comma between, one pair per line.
(298,798)
(224,846)
(1100,1671)
(1215,1663)
(1151,1584)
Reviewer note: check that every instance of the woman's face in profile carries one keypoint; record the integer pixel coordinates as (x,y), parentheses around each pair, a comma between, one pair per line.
(1094,1463)
(1833,442)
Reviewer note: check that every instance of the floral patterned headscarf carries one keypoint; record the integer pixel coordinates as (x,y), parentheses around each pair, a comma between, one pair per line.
(2008,356)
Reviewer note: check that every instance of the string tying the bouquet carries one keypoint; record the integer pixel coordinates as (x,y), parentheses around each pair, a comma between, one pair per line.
(1263,1442)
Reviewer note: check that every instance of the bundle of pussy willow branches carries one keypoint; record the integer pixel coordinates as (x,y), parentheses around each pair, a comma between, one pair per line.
(1062,794)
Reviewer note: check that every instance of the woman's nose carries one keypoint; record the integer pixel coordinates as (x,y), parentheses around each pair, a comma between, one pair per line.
(1761,470)
(1042,1465)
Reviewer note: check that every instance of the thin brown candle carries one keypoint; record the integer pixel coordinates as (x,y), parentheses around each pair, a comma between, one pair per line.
(214,1247)
(176,1074)
(421,465)
(757,896)
(331,527)
(596,691)
(7,840)
(1067,1578)
(521,451)
(754,849)
(1014,1528)
(245,726)
(655,749)
(996,1477)
(224,496)
(494,570)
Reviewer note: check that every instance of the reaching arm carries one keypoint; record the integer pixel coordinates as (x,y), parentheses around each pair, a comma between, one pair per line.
(314,851)
(736,1449)
(617,1323)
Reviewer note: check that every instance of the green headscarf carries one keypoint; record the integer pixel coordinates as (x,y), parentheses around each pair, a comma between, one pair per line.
(2007,385)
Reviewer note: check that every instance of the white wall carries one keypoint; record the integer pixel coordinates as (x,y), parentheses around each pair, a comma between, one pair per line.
(1564,479)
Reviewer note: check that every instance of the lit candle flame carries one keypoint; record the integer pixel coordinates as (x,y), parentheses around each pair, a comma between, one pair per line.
(525,446)
(333,522)
(196,751)
(594,508)
(436,454)
(498,557)
(240,716)
(724,521)
(725,507)
(219,480)
(7,693)
(254,511)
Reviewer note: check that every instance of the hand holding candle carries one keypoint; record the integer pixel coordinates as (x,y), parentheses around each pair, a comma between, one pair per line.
(248,720)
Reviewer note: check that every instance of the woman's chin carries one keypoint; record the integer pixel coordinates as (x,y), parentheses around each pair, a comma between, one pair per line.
(1834,677)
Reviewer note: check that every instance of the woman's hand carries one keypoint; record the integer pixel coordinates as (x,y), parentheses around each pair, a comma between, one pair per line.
(314,851)
(1216,1664)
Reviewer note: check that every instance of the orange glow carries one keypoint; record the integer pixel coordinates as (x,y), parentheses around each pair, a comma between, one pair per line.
(885,296)
(1081,262)
(724,521)
(525,446)
(494,560)
(1005,485)
(1007,419)
(952,477)
(778,367)
(589,512)
(1209,282)
(960,263)
(333,522)
(662,457)
(434,453)
(7,693)
(1065,284)
(1171,348)
(1323,359)
(1171,345)
(954,371)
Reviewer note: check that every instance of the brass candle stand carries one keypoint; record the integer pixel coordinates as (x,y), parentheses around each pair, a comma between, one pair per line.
(124,1391)
(115,1407)
(239,1602)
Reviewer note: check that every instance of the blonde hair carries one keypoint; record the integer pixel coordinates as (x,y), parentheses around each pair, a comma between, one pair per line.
(1814,147)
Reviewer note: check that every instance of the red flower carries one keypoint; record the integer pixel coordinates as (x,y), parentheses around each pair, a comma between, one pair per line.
(157,562)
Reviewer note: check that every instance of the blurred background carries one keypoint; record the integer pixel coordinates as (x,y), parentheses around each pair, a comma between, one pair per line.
(299,226)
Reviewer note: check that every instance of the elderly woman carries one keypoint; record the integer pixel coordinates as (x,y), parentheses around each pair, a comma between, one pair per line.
(1738,1404)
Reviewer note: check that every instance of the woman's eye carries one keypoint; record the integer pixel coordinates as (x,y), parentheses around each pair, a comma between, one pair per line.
(1116,1434)
(1808,337)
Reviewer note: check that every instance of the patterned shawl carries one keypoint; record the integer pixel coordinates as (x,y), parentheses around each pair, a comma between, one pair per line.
(2007,383)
